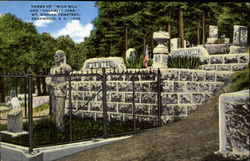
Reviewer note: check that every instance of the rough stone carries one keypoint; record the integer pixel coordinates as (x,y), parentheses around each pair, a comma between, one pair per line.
(192,87)
(125,108)
(216,60)
(237,49)
(112,107)
(148,98)
(217,48)
(185,98)
(193,51)
(234,109)
(224,67)
(111,86)
(170,75)
(231,59)
(116,97)
(82,105)
(198,76)
(167,87)
(109,62)
(240,35)
(185,76)
(198,98)
(169,99)
(15,121)
(179,87)
(95,106)
(129,97)
(131,53)
(142,109)
(125,87)
(210,77)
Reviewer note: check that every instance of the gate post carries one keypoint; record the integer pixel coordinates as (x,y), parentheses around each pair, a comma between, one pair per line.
(133,99)
(104,103)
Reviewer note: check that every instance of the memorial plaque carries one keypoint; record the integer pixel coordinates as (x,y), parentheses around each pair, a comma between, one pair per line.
(99,63)
(195,51)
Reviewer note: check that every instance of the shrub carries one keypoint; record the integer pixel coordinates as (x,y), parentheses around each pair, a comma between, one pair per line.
(41,107)
(240,80)
(134,63)
(188,62)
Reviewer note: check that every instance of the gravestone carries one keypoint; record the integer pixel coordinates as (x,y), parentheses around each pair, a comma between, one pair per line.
(213,34)
(240,35)
(193,51)
(15,121)
(176,43)
(131,53)
(160,51)
(109,62)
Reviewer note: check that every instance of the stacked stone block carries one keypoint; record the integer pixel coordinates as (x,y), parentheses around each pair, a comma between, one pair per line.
(181,91)
(226,62)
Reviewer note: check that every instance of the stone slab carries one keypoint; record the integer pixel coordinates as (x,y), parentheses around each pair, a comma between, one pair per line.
(109,62)
(193,51)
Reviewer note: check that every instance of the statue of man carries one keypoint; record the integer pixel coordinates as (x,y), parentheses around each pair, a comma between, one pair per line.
(57,86)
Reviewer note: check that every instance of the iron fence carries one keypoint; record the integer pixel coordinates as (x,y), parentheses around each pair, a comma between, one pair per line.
(102,77)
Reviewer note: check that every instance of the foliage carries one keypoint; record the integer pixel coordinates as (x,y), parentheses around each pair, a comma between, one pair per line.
(41,107)
(188,62)
(134,63)
(240,80)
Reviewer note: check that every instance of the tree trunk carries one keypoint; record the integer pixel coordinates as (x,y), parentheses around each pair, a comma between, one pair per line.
(169,31)
(2,94)
(44,86)
(198,35)
(181,27)
(38,86)
(203,30)
(126,41)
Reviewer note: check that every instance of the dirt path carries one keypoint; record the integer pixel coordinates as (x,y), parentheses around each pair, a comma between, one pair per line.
(191,139)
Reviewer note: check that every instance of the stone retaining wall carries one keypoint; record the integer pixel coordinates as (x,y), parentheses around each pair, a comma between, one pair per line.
(182,91)
(226,62)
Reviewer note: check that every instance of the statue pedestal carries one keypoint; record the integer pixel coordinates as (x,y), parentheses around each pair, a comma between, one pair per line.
(14,124)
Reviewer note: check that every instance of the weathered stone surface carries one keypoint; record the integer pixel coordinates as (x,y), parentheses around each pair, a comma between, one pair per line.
(89,96)
(237,49)
(131,53)
(95,106)
(185,98)
(238,67)
(15,121)
(83,86)
(125,108)
(217,48)
(167,87)
(222,77)
(111,86)
(198,98)
(240,35)
(169,99)
(243,59)
(142,109)
(193,51)
(130,78)
(198,76)
(231,59)
(209,67)
(110,62)
(116,78)
(179,87)
(174,110)
(154,110)
(95,86)
(115,117)
(214,87)
(148,77)
(234,109)
(203,87)
(191,108)
(87,78)
(148,98)
(210,77)
(116,97)
(170,75)
(77,96)
(144,87)
(112,107)
(129,97)
(213,31)
(125,87)
(224,67)
(185,76)
(82,105)
(216,60)
(192,87)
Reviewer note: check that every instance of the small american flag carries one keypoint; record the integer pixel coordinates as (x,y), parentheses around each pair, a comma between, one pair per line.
(146,57)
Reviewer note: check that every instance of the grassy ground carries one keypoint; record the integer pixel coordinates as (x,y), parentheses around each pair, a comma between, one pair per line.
(195,138)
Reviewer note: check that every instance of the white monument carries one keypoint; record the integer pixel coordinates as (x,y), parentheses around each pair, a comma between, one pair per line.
(161,50)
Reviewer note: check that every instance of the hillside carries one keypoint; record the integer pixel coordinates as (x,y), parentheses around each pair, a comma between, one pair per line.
(194,138)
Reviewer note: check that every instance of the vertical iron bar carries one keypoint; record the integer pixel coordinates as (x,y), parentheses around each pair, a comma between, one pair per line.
(25,98)
(104,103)
(133,99)
(70,109)
(159,96)
(30,103)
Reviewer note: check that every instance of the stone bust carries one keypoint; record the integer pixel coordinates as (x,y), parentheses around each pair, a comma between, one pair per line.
(57,86)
